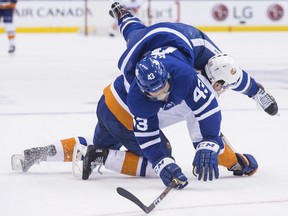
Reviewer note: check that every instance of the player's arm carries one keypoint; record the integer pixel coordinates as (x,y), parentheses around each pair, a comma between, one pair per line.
(147,133)
(207,112)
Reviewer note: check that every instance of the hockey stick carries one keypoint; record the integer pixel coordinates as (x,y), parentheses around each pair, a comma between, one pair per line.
(147,209)
(225,140)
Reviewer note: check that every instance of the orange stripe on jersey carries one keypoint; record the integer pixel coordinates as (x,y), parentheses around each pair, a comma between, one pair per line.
(68,145)
(130,164)
(118,111)
(228,158)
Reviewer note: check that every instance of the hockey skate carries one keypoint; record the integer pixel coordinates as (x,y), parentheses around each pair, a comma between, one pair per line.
(79,152)
(12,49)
(94,157)
(266,101)
(117,11)
(23,162)
(246,165)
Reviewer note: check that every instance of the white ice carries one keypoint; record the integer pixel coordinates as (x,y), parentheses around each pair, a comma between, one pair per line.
(49,90)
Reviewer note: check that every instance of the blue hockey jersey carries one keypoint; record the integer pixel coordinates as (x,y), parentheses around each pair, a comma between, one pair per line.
(184,86)
(168,43)
(193,43)
(127,102)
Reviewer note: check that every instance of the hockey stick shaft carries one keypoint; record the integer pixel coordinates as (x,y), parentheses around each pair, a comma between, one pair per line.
(226,141)
(147,209)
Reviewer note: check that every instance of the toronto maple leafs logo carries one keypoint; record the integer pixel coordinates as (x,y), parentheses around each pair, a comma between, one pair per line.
(161,52)
(168,105)
(151,76)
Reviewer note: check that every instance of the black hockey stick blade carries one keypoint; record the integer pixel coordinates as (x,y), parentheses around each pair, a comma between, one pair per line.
(132,198)
(147,209)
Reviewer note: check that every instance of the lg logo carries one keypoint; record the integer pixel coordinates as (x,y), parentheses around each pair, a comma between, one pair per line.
(275,12)
(220,12)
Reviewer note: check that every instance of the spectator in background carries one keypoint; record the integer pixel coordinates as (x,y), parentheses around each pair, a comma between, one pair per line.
(7,8)
(131,5)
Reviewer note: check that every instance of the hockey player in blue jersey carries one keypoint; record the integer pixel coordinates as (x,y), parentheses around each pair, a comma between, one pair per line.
(114,129)
(159,84)
(163,59)
(7,8)
(202,54)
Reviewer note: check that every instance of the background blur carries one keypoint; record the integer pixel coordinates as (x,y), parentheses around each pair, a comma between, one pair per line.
(209,15)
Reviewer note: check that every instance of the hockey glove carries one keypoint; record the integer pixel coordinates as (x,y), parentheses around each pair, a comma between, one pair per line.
(168,171)
(248,165)
(205,163)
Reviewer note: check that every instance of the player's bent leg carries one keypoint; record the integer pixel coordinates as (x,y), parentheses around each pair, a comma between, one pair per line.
(228,157)
(246,165)
(128,163)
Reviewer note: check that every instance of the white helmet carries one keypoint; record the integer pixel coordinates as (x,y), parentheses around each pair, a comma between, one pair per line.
(223,68)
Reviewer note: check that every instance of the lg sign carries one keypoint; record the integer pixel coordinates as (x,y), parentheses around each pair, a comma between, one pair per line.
(220,12)
(275,12)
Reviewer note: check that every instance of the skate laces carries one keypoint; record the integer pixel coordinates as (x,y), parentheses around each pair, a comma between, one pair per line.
(263,98)
(98,162)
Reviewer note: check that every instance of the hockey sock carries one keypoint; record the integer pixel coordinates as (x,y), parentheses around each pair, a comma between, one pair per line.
(227,158)
(128,163)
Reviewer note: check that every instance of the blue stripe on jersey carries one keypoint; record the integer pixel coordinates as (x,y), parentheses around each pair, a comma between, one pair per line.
(246,85)
(82,140)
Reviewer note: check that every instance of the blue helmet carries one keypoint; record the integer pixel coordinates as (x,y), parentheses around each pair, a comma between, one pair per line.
(151,74)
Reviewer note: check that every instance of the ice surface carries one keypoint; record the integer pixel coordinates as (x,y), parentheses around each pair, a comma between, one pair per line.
(49,90)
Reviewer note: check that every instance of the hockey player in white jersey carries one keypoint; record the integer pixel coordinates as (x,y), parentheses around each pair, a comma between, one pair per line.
(203,55)
(7,10)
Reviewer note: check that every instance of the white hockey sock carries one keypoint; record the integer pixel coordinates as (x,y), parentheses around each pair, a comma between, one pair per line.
(10,30)
(128,163)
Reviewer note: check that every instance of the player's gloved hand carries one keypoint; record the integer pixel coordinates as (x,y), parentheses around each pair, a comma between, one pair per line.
(205,163)
(248,165)
(169,171)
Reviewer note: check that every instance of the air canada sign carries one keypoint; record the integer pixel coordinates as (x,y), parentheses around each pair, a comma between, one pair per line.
(45,12)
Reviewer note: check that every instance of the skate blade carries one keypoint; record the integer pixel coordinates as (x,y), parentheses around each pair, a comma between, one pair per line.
(16,162)
(79,152)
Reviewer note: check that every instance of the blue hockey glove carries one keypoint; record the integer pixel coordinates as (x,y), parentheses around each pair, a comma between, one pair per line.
(248,165)
(168,171)
(205,163)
